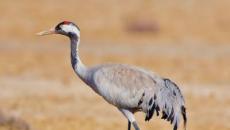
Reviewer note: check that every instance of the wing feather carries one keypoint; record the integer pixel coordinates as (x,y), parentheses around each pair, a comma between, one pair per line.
(133,88)
(122,85)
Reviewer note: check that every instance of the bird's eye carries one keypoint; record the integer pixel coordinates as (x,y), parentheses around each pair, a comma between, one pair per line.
(58,28)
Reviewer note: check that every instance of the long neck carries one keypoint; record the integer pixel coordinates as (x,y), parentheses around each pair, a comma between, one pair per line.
(77,65)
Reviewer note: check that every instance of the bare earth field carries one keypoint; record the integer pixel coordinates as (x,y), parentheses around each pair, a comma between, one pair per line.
(188,42)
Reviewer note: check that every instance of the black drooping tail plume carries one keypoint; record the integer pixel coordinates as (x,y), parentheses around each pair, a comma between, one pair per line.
(183,111)
(167,99)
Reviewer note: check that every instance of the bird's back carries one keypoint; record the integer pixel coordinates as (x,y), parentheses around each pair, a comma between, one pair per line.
(116,82)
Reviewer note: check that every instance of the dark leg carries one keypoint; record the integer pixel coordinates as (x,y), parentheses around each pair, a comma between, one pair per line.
(135,125)
(129,125)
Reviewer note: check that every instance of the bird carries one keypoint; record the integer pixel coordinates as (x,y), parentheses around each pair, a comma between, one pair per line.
(129,88)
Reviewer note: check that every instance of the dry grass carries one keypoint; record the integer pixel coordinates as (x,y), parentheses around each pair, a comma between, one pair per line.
(188,42)
(205,21)
(48,104)
(43,90)
(185,63)
(12,123)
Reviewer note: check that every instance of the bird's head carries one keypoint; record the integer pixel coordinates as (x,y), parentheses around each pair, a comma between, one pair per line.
(65,28)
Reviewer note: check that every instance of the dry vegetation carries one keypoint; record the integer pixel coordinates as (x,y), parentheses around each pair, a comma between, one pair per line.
(187,41)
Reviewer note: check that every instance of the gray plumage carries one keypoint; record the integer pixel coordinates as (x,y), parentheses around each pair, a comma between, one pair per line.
(130,89)
(135,89)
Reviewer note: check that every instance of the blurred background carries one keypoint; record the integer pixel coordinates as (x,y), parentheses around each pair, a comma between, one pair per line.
(185,40)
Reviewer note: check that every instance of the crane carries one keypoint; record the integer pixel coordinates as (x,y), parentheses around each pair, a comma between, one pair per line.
(131,89)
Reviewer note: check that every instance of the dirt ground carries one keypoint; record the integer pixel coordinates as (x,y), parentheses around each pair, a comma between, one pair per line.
(188,43)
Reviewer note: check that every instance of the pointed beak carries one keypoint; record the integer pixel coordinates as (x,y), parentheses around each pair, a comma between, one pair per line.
(51,31)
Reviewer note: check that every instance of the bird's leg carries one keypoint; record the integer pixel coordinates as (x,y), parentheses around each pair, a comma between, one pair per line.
(129,125)
(129,115)
(135,125)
